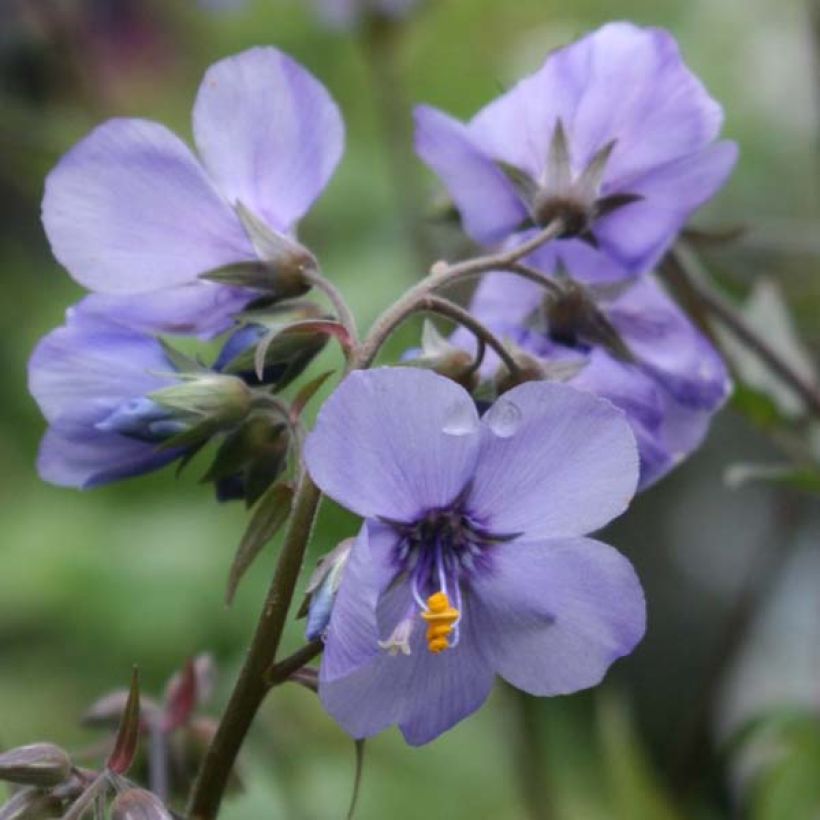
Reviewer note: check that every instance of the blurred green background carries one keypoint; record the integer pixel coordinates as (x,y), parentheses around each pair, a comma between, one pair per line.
(91,583)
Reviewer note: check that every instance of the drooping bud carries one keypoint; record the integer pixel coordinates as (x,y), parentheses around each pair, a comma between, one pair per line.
(139,804)
(285,355)
(251,458)
(443,357)
(38,764)
(31,804)
(142,419)
(322,588)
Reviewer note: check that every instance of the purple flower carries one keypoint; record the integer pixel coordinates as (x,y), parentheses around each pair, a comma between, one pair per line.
(91,380)
(347,13)
(472,560)
(134,215)
(630,344)
(613,134)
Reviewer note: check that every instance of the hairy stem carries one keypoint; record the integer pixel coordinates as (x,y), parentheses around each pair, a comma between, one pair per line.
(258,672)
(343,312)
(443,274)
(252,686)
(685,266)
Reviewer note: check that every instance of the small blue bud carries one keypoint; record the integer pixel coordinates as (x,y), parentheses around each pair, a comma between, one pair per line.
(322,589)
(136,418)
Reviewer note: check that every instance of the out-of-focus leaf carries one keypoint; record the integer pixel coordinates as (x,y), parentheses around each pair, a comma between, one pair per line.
(807,479)
(270,514)
(357,778)
(766,313)
(125,746)
(634,788)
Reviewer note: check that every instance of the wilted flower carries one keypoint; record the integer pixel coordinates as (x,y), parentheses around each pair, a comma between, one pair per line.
(134,215)
(613,135)
(471,561)
(630,344)
(113,398)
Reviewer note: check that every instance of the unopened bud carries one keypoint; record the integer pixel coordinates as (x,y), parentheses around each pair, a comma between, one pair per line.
(213,397)
(40,764)
(530,369)
(446,359)
(322,589)
(31,804)
(139,804)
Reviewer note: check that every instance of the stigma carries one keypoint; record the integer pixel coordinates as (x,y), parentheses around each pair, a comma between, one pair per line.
(441,618)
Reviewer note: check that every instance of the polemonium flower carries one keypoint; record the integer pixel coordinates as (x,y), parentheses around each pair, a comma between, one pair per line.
(613,135)
(113,399)
(472,561)
(134,215)
(629,344)
(347,13)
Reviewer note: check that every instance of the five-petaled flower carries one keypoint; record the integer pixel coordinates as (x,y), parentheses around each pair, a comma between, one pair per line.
(629,343)
(136,217)
(613,135)
(472,560)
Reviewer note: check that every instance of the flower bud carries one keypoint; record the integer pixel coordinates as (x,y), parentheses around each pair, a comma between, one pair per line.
(40,764)
(107,712)
(139,804)
(439,355)
(215,398)
(322,589)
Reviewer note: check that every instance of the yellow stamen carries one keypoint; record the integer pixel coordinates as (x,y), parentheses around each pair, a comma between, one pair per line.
(441,618)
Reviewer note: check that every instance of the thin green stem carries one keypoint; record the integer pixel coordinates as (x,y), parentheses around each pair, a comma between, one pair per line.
(343,312)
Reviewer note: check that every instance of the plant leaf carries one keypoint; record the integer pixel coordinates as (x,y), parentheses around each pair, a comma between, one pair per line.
(307,392)
(270,514)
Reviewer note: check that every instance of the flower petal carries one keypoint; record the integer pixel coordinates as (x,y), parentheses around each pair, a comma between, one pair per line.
(554,615)
(424,694)
(129,209)
(639,234)
(269,134)
(81,457)
(489,206)
(394,442)
(201,309)
(83,370)
(568,467)
(670,348)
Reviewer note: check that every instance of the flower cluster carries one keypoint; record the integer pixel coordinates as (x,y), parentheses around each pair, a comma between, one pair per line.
(478,484)
(615,138)
(172,244)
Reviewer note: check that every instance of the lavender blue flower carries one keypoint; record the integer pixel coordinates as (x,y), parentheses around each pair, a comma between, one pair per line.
(135,216)
(629,344)
(471,562)
(91,380)
(613,134)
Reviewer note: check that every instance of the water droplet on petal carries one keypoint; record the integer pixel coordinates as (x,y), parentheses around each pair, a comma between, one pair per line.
(504,418)
(461,419)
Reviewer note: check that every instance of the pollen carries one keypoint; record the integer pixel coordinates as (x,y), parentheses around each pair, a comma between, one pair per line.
(440,617)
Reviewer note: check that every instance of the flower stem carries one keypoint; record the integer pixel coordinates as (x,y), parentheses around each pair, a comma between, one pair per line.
(259,673)
(343,312)
(442,274)
(685,267)
(252,686)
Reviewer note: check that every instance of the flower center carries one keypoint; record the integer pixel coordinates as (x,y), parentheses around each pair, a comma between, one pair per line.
(437,553)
